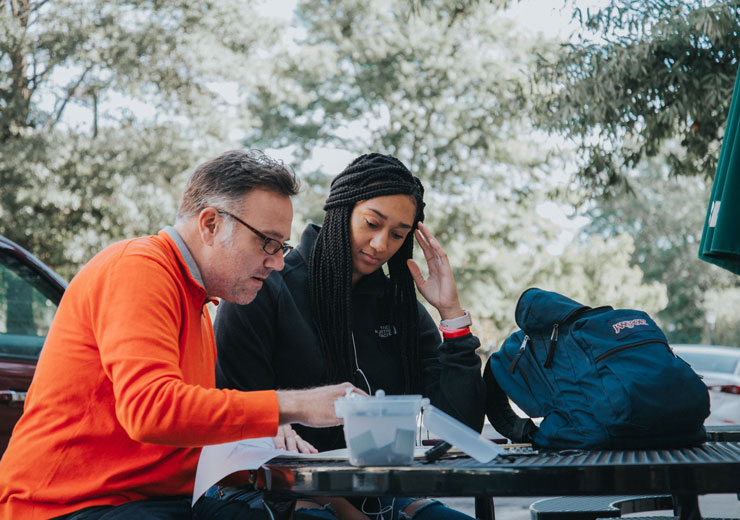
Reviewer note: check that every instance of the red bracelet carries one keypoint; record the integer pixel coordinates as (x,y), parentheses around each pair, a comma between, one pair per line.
(455,333)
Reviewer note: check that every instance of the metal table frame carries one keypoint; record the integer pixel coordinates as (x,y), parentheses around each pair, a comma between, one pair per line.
(684,473)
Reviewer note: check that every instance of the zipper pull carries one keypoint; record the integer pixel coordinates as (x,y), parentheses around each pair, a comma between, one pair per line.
(519,355)
(551,348)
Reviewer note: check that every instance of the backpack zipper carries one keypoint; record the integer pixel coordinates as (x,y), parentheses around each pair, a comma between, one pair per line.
(551,348)
(519,354)
(554,335)
(617,350)
(524,376)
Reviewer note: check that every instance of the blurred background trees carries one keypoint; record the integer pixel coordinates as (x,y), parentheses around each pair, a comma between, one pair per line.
(643,79)
(665,216)
(102,106)
(643,92)
(521,141)
(446,91)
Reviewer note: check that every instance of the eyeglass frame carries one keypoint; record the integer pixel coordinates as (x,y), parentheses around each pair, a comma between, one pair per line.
(282,246)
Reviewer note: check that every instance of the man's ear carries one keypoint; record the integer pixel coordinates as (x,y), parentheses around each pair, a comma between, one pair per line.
(209,222)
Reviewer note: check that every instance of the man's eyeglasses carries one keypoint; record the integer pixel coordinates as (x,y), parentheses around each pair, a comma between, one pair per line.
(269,245)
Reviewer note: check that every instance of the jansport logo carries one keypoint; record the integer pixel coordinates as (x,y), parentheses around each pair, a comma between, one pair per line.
(629,324)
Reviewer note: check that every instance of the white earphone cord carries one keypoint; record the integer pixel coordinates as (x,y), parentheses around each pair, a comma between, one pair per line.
(357,366)
(381,510)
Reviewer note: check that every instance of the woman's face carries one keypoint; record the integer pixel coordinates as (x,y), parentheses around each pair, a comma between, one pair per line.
(377,229)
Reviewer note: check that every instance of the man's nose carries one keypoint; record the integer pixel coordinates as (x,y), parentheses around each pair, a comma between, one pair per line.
(275,262)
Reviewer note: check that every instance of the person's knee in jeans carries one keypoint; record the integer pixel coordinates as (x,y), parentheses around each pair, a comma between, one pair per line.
(429,509)
(308,509)
(404,508)
(221,502)
(226,503)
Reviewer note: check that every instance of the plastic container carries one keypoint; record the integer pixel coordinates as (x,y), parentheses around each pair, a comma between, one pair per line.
(456,433)
(380,430)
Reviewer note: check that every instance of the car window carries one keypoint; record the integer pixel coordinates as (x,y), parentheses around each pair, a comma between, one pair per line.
(711,362)
(27,307)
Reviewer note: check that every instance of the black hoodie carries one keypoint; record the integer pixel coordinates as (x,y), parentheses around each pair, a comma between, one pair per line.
(273,343)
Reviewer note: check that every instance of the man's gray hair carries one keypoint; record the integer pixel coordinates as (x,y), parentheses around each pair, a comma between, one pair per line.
(222,181)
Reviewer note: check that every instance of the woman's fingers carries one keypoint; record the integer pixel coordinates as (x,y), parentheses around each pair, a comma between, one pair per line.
(415,271)
(439,286)
(423,241)
(300,445)
(279,439)
(288,439)
(428,237)
(290,442)
(435,256)
(305,446)
(433,252)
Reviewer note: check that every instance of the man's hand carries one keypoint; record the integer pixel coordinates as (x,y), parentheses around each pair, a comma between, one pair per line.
(313,407)
(288,439)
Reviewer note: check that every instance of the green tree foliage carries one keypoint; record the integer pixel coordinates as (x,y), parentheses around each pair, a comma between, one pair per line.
(78,194)
(102,106)
(722,305)
(442,89)
(642,75)
(665,216)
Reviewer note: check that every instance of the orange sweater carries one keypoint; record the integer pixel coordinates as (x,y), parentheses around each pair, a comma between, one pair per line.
(124,390)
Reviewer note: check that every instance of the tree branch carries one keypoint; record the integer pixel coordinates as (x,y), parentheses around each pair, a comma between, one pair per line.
(39,78)
(71,91)
(38,5)
(20,9)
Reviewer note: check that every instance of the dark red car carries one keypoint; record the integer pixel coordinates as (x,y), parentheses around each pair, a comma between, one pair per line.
(29,296)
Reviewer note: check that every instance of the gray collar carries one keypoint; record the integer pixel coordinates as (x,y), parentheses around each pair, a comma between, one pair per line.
(185,252)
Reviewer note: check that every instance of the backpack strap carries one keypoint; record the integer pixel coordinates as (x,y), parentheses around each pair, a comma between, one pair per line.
(500,414)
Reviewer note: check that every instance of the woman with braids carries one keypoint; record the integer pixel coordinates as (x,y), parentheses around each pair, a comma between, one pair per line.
(333,315)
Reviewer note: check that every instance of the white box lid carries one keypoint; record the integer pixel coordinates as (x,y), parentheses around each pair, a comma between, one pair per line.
(459,435)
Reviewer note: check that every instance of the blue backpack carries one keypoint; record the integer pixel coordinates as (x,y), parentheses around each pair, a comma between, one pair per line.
(599,377)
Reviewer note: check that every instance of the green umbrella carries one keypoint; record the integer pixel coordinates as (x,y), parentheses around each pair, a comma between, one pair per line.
(720,240)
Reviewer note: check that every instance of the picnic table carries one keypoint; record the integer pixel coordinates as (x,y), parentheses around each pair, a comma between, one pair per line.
(713,467)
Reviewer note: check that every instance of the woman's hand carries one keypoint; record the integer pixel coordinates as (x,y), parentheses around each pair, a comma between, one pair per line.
(288,439)
(439,288)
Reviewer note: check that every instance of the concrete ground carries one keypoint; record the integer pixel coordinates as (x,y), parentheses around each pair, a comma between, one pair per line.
(517,508)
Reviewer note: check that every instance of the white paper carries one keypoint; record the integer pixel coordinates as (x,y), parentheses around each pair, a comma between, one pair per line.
(220,460)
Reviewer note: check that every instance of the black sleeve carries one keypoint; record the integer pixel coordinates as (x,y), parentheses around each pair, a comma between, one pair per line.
(245,339)
(499,412)
(452,373)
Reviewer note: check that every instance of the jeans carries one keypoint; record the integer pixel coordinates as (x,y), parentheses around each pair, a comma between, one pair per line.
(174,508)
(226,503)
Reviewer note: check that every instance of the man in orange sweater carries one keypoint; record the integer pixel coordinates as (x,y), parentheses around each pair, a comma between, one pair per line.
(124,393)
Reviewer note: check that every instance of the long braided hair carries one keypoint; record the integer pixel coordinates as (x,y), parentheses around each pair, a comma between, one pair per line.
(330,266)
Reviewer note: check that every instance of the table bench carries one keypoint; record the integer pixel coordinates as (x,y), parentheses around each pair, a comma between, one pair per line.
(682,473)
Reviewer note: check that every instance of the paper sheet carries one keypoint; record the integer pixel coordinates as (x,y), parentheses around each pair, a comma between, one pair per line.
(220,460)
